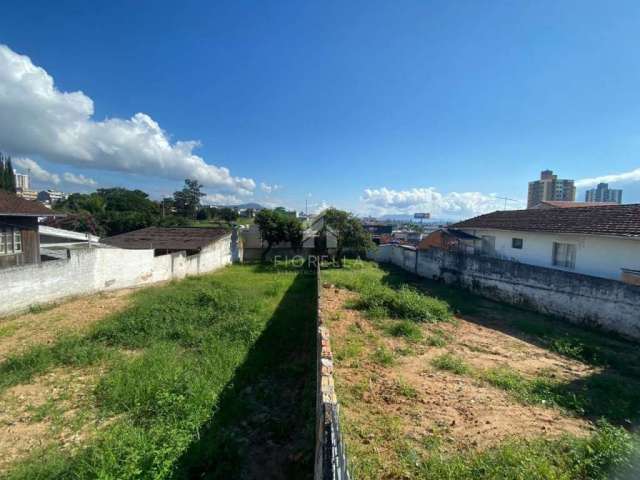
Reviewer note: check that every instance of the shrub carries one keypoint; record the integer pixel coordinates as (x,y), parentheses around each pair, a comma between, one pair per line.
(406,303)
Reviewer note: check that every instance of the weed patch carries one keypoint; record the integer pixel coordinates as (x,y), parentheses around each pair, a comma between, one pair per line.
(451,363)
(193,337)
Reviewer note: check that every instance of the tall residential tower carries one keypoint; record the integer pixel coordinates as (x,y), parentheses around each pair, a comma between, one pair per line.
(602,193)
(550,187)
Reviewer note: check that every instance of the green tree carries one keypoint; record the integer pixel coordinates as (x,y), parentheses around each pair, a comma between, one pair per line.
(350,233)
(187,200)
(2,174)
(227,214)
(115,211)
(276,227)
(7,177)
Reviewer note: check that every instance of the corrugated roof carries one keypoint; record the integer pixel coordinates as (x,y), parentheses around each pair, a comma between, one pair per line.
(179,238)
(616,220)
(13,205)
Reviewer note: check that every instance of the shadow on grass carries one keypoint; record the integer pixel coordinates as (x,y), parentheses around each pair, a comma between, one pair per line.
(264,424)
(612,392)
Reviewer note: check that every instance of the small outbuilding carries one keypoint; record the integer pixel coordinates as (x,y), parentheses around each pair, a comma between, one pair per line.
(449,239)
(19,239)
(163,240)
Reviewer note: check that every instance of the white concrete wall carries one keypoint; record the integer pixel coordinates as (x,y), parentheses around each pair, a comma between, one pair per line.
(595,255)
(92,270)
(580,298)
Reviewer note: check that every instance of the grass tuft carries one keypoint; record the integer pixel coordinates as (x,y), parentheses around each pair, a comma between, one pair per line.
(451,363)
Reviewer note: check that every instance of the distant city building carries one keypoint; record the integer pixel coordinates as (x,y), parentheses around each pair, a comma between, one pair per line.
(27,194)
(51,196)
(22,181)
(550,187)
(602,193)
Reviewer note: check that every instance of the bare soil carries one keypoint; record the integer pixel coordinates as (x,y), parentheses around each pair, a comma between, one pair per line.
(56,407)
(424,402)
(17,333)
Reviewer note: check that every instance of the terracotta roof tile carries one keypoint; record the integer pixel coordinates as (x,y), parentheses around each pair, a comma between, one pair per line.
(11,204)
(568,204)
(178,238)
(617,220)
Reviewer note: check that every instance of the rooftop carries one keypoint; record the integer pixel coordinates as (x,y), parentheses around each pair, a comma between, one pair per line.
(568,204)
(615,220)
(182,238)
(13,205)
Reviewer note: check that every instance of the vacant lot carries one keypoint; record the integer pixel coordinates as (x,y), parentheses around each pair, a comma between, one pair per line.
(437,383)
(209,377)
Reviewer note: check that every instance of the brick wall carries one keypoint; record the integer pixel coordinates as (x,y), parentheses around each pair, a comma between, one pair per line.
(330,456)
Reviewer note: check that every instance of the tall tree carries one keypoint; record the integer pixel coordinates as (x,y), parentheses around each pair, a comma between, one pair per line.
(187,200)
(2,180)
(11,178)
(349,231)
(276,227)
(7,179)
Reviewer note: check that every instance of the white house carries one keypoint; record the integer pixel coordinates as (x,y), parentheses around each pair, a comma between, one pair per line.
(314,232)
(602,241)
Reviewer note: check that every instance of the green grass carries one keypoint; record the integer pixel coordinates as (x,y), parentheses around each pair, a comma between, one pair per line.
(201,344)
(405,329)
(378,447)
(383,356)
(566,458)
(380,300)
(8,330)
(451,363)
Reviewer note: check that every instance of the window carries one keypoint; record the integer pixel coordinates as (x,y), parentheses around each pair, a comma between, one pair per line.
(10,241)
(17,241)
(564,255)
(516,243)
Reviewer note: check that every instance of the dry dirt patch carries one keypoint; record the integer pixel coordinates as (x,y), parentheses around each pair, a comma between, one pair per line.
(423,402)
(55,408)
(23,331)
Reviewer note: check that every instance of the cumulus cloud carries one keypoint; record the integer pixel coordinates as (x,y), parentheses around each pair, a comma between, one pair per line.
(453,204)
(221,199)
(265,187)
(627,177)
(36,171)
(40,174)
(38,119)
(79,179)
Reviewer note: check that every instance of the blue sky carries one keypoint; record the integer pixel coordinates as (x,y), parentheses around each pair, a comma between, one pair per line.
(376,107)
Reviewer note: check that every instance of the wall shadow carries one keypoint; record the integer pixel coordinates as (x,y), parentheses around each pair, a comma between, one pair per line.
(612,392)
(264,422)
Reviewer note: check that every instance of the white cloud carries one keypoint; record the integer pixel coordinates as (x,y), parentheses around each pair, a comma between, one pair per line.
(38,119)
(265,187)
(79,179)
(39,174)
(221,199)
(454,204)
(36,171)
(627,177)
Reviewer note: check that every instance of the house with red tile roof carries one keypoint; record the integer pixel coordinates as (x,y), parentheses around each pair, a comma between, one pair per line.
(19,239)
(602,241)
